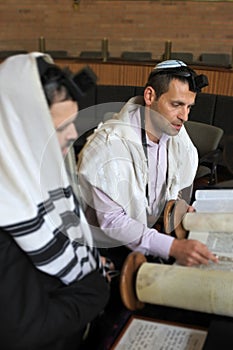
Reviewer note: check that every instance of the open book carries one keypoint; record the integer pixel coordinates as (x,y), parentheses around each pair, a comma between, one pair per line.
(149,334)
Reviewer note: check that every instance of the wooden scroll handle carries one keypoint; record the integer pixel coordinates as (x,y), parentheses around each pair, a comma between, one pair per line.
(174,213)
(128,281)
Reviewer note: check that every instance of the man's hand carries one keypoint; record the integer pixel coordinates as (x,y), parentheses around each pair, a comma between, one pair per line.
(109,268)
(191,209)
(191,252)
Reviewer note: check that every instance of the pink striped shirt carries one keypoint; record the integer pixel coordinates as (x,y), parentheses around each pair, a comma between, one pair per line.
(111,216)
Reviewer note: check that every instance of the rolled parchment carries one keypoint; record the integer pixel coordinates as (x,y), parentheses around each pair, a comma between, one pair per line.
(185,287)
(210,222)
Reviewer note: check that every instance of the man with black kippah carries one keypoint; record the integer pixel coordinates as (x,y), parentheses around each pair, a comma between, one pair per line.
(53,282)
(137,161)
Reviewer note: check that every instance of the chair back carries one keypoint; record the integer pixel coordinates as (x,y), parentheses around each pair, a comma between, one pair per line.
(221,59)
(187,57)
(92,54)
(136,56)
(205,137)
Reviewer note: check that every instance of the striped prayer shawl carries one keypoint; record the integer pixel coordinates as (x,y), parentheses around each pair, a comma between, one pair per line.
(38,207)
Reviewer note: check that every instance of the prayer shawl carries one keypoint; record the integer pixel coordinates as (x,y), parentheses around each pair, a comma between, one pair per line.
(113,161)
(37,203)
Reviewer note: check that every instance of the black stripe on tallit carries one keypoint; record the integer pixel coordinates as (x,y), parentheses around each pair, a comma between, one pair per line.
(52,250)
(71,265)
(34,224)
(61,193)
(74,261)
(70,219)
(55,249)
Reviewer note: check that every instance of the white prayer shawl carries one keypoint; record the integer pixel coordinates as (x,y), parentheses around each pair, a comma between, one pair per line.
(37,204)
(113,161)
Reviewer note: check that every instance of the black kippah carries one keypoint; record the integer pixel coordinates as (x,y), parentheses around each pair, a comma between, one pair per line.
(77,84)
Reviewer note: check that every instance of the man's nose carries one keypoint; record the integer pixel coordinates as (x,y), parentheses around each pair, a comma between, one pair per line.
(183,113)
(72,133)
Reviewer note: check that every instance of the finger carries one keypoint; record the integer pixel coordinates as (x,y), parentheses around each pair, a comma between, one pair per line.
(198,257)
(206,257)
(213,258)
(191,209)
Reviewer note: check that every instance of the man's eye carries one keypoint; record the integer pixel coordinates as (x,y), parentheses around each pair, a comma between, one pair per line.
(61,128)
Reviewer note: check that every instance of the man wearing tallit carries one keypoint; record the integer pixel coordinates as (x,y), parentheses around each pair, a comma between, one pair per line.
(52,279)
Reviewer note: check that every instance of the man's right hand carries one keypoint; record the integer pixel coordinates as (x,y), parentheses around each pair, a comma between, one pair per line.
(191,252)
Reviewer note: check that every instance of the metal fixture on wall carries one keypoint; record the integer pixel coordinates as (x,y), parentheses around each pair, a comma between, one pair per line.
(105,49)
(232,58)
(76,4)
(41,44)
(167,50)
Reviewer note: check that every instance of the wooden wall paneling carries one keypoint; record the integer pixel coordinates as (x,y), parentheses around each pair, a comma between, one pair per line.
(123,73)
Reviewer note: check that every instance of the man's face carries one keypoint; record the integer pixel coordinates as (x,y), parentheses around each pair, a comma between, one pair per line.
(174,105)
(64,114)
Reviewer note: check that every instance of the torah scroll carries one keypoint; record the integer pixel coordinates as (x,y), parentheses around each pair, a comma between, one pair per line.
(177,219)
(221,222)
(188,288)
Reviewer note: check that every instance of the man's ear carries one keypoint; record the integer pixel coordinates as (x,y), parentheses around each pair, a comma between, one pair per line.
(149,95)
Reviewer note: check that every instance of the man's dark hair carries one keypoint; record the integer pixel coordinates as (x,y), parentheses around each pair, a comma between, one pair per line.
(54,87)
(160,83)
(57,81)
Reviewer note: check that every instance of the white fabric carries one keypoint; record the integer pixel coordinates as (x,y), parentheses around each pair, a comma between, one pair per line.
(33,207)
(113,160)
(182,163)
(170,64)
